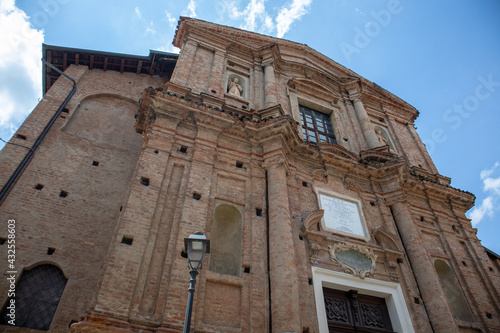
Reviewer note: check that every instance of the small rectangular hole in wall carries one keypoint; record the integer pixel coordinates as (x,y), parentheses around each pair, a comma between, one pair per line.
(310,282)
(38,187)
(72,322)
(183,149)
(239,164)
(121,207)
(50,251)
(65,110)
(490,268)
(400,260)
(489,315)
(372,203)
(196,196)
(258,211)
(156,151)
(301,238)
(145,181)
(63,194)
(230,63)
(416,300)
(422,219)
(184,254)
(2,240)
(95,163)
(464,263)
(213,91)
(21,136)
(304,184)
(244,107)
(246,269)
(127,240)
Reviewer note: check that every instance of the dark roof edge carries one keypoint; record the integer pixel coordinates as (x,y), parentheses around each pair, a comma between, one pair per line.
(491,253)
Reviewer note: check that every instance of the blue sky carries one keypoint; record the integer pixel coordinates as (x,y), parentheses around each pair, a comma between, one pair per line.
(442,57)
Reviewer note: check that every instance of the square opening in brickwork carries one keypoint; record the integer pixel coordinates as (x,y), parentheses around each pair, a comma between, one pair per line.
(183,149)
(156,152)
(422,219)
(246,269)
(21,136)
(63,194)
(65,110)
(372,203)
(50,251)
(121,207)
(213,91)
(489,315)
(301,238)
(145,181)
(310,282)
(2,240)
(72,322)
(258,211)
(304,184)
(183,254)
(416,300)
(95,163)
(127,240)
(400,260)
(38,187)
(196,196)
(239,164)
(464,263)
(305,330)
(490,268)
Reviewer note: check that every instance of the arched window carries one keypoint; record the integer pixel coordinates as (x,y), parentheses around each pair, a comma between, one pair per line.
(226,239)
(37,296)
(451,288)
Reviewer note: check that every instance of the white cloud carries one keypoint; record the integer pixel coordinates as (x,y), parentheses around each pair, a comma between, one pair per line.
(488,205)
(486,173)
(170,19)
(190,11)
(255,16)
(20,67)
(288,15)
(138,12)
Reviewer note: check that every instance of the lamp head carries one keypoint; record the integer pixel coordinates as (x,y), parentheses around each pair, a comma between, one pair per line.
(196,246)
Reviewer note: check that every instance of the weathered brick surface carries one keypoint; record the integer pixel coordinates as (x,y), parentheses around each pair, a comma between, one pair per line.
(143,189)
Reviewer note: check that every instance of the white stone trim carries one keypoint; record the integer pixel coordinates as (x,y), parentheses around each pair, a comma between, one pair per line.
(400,317)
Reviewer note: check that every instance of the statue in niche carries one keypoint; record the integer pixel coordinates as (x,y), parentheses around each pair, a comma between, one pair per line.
(234,88)
(381,139)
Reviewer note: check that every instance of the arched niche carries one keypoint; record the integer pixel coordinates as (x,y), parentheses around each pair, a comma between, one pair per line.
(242,82)
(379,130)
(226,240)
(107,119)
(452,290)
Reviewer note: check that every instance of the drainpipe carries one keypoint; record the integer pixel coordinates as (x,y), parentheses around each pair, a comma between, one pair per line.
(19,170)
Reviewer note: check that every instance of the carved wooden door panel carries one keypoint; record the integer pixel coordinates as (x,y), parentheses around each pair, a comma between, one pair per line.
(347,311)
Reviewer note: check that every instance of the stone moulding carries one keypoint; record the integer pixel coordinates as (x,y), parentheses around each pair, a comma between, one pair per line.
(353,259)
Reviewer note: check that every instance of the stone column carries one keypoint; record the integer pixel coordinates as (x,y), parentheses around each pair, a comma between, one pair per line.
(270,86)
(366,124)
(435,300)
(283,269)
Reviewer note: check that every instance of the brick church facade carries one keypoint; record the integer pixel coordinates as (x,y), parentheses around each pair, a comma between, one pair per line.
(324,210)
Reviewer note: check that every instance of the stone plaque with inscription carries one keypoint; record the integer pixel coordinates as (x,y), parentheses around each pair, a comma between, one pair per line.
(342,215)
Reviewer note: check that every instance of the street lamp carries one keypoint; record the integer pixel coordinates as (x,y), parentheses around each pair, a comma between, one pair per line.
(196,246)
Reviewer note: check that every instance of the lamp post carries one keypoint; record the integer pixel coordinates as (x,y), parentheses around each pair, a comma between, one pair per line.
(196,246)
